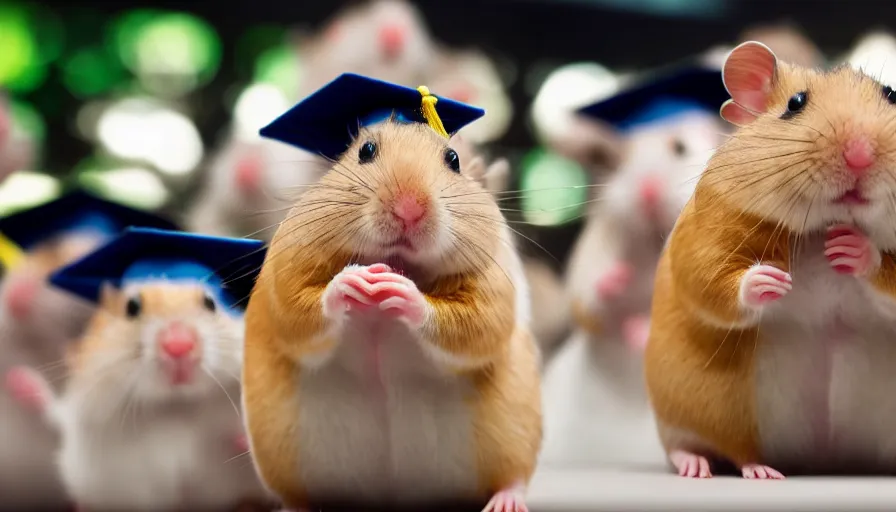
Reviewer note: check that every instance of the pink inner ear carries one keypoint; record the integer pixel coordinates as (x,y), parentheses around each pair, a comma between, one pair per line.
(748,75)
(333,31)
(735,114)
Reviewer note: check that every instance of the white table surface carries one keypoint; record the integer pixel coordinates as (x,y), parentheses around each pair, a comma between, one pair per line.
(555,490)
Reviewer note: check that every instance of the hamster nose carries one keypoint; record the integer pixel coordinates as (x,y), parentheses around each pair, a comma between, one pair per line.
(858,155)
(408,210)
(177,340)
(20,296)
(392,39)
(462,94)
(651,190)
(248,174)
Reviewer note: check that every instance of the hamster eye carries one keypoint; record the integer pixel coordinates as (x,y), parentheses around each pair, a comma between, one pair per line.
(367,152)
(452,160)
(889,94)
(797,102)
(133,307)
(208,302)
(678,147)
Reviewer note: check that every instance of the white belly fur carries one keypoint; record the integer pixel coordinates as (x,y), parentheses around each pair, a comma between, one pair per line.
(826,396)
(596,409)
(143,460)
(402,434)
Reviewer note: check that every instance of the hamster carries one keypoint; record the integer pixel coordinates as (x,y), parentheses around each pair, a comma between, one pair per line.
(771,341)
(384,39)
(388,358)
(37,324)
(597,411)
(141,427)
(249,187)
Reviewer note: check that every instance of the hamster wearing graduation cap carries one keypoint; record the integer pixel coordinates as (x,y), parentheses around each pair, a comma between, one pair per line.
(38,323)
(384,39)
(149,417)
(597,411)
(388,359)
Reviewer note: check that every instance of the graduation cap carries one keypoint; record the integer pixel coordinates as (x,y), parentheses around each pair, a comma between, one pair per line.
(227,266)
(328,120)
(662,95)
(74,212)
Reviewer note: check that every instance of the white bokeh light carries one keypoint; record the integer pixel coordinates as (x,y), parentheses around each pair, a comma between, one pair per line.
(135,186)
(875,55)
(23,189)
(257,105)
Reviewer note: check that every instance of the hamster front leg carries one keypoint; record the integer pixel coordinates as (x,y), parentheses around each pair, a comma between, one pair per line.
(851,252)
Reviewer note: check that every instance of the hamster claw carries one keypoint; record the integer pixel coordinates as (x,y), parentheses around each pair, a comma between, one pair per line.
(511,499)
(690,465)
(849,251)
(760,472)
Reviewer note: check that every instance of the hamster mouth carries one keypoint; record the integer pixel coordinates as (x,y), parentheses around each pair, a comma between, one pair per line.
(852,197)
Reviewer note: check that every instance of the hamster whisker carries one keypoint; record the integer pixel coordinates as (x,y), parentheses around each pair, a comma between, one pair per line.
(478,249)
(781,139)
(485,218)
(336,168)
(208,372)
(748,162)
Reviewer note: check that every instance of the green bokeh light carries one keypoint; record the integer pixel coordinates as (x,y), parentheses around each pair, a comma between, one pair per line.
(19,47)
(126,31)
(27,119)
(92,71)
(555,187)
(255,41)
(279,66)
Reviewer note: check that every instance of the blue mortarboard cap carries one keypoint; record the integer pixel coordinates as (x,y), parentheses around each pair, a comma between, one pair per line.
(662,95)
(227,266)
(76,211)
(326,121)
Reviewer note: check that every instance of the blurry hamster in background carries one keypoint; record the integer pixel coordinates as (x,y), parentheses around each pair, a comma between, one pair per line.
(17,149)
(156,376)
(875,55)
(550,321)
(664,128)
(38,323)
(249,187)
(384,39)
(785,39)
(388,357)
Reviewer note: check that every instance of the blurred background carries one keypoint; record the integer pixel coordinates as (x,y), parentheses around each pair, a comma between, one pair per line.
(134,99)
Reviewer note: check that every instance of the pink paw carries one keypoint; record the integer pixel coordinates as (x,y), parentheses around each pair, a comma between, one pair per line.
(378,287)
(690,465)
(762,284)
(512,499)
(400,298)
(849,251)
(614,281)
(28,388)
(760,472)
(636,330)
(351,289)
(242,443)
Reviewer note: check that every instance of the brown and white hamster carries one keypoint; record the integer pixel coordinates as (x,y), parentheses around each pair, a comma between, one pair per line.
(771,342)
(149,417)
(384,39)
(388,358)
(37,324)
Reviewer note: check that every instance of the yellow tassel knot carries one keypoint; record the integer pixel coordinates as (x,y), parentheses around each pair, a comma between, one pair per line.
(10,253)
(429,111)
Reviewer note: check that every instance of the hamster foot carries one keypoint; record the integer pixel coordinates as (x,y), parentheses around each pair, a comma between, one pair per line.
(27,387)
(690,465)
(760,472)
(849,251)
(762,284)
(614,281)
(636,330)
(511,499)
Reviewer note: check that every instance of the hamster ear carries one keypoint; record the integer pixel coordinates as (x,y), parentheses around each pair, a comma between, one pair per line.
(736,114)
(748,74)
(497,175)
(108,296)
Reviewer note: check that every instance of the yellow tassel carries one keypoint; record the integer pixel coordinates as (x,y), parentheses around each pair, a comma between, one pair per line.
(429,111)
(10,253)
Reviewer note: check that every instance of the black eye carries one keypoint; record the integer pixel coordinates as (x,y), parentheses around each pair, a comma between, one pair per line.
(797,102)
(367,152)
(209,303)
(678,147)
(452,160)
(133,307)
(889,94)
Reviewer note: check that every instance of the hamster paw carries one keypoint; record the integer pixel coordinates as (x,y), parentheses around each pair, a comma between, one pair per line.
(28,388)
(690,465)
(400,298)
(636,330)
(351,289)
(762,284)
(760,472)
(849,251)
(614,281)
(512,499)
(241,442)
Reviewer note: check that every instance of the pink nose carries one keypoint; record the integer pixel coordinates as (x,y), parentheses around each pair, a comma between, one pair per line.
(651,190)
(392,39)
(462,94)
(177,340)
(248,174)
(408,210)
(858,155)
(20,296)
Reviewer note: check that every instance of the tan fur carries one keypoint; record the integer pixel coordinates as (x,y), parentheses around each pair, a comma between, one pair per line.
(472,298)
